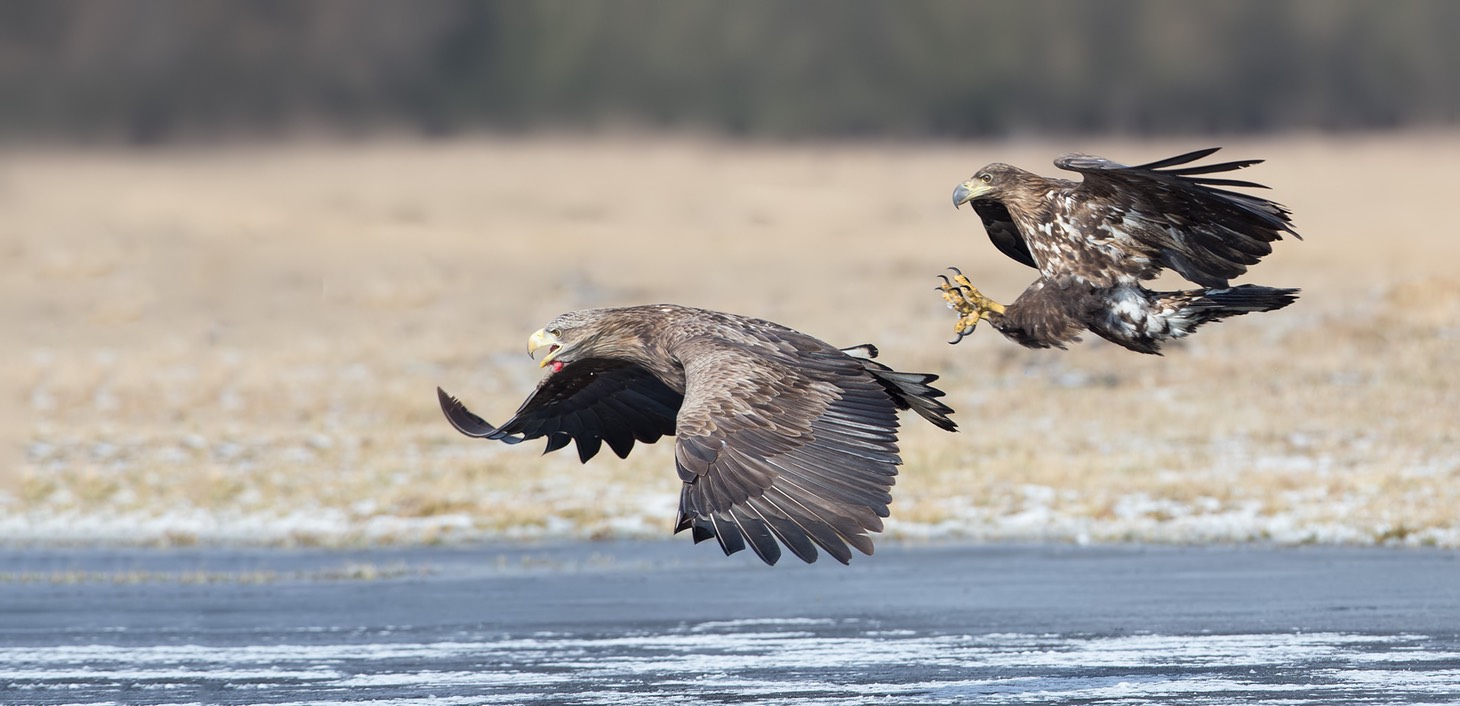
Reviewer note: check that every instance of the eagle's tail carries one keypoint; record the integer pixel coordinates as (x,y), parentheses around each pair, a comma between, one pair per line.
(909,390)
(1231,301)
(1142,320)
(1191,309)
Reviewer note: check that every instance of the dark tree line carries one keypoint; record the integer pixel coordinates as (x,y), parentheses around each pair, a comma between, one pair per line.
(151,70)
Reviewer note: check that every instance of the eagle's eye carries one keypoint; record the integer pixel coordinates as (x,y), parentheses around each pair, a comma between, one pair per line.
(987,178)
(556,332)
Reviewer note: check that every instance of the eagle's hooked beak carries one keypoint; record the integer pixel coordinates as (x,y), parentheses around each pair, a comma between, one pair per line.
(968,191)
(540,339)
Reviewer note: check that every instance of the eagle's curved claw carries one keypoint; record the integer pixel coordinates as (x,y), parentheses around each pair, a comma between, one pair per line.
(969,303)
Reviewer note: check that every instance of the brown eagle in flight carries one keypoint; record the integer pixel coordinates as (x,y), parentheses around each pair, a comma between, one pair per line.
(779,436)
(1096,240)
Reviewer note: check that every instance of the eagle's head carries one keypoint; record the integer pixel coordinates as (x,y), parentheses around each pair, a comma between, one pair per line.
(588,333)
(995,182)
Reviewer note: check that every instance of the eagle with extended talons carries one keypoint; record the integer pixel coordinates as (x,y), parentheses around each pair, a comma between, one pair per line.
(1095,241)
(780,436)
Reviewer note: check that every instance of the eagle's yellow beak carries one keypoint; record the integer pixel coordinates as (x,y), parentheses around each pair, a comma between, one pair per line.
(539,339)
(968,191)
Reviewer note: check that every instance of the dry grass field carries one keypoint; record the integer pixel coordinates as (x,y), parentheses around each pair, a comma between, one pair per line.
(242,344)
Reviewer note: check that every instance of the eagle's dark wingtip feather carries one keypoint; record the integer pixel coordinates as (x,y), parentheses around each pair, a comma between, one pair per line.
(1178,159)
(1213,181)
(699,531)
(1218,167)
(465,421)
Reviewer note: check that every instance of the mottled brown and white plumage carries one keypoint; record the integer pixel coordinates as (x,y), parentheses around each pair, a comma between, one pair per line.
(1096,240)
(780,437)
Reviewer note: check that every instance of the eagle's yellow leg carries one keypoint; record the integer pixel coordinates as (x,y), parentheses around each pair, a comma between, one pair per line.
(972,306)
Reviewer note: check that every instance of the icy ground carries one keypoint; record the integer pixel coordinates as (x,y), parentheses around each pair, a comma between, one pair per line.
(656,622)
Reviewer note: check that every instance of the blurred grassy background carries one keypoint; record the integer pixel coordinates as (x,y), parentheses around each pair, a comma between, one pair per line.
(158,70)
(243,241)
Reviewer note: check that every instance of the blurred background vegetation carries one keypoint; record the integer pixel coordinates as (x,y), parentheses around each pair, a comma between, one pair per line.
(165,70)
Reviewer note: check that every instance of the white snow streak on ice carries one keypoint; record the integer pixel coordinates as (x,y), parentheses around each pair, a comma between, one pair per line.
(787,661)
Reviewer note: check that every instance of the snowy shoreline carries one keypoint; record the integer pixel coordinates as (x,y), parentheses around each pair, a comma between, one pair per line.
(1139,518)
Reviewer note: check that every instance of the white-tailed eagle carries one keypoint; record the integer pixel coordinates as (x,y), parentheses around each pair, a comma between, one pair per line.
(1095,241)
(779,436)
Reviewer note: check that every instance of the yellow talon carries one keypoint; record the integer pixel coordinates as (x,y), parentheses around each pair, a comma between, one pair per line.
(971,305)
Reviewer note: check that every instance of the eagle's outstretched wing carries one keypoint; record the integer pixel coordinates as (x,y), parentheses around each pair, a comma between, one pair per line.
(1178,218)
(590,402)
(803,451)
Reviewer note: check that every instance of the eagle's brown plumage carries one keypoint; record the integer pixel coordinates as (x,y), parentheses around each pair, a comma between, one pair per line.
(780,437)
(1096,240)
